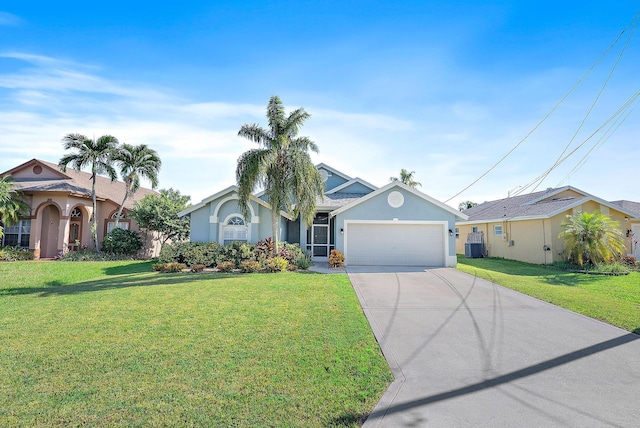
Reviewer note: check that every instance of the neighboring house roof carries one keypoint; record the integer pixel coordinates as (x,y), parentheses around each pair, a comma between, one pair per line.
(634,207)
(393,184)
(77,183)
(544,204)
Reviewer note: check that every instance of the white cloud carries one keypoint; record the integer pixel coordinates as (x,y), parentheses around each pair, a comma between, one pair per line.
(448,144)
(10,19)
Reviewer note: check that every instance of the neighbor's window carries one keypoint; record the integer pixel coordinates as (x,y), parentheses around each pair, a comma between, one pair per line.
(121,224)
(18,234)
(497,230)
(474,229)
(235,230)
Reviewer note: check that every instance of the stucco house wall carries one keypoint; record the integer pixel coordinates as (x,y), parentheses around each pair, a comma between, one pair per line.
(536,240)
(414,208)
(53,196)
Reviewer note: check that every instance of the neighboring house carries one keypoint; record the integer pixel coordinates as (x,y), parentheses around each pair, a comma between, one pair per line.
(526,227)
(633,226)
(391,225)
(61,209)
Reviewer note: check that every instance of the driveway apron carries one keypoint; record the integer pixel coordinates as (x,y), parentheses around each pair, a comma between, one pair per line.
(466,352)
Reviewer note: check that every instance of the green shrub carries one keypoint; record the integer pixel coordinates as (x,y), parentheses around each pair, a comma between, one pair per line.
(277,264)
(191,253)
(158,267)
(13,254)
(173,252)
(613,268)
(236,252)
(291,252)
(304,260)
(122,241)
(250,266)
(197,268)
(226,266)
(173,267)
(202,253)
(91,255)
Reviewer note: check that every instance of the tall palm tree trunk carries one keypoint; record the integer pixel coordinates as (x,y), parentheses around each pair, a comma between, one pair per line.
(94,226)
(274,229)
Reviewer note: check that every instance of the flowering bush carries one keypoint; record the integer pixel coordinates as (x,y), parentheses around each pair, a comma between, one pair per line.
(250,266)
(277,264)
(336,259)
(226,266)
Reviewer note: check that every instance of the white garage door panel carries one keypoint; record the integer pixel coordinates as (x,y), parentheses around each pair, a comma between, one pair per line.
(395,244)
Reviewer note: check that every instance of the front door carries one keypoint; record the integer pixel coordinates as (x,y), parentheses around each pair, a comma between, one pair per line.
(320,242)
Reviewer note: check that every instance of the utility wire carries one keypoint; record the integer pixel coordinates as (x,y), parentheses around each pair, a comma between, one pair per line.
(617,113)
(612,129)
(584,76)
(593,104)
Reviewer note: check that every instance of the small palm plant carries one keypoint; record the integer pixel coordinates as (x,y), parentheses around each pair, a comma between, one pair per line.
(592,238)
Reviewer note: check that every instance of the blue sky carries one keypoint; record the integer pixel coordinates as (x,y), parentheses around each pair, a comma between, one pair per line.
(443,90)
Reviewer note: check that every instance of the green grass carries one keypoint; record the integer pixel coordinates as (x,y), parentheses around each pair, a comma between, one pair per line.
(612,299)
(114,344)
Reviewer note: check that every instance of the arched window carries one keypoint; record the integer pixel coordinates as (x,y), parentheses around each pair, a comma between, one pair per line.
(235,230)
(123,223)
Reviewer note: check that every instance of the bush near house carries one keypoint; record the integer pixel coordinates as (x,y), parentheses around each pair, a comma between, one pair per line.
(13,254)
(236,254)
(122,241)
(336,259)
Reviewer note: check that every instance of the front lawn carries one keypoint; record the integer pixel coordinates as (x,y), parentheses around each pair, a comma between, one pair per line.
(613,299)
(114,344)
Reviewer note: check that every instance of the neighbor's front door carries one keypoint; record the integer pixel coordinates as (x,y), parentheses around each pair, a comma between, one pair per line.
(635,248)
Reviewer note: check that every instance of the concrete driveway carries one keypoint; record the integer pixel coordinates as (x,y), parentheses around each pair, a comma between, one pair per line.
(466,352)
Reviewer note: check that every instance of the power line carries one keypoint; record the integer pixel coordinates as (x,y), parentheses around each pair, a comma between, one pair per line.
(555,107)
(593,104)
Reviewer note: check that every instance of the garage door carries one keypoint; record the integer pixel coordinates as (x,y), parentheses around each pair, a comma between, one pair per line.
(394,244)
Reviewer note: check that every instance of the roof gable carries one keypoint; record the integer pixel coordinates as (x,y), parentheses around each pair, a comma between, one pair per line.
(77,183)
(233,189)
(332,177)
(409,189)
(36,170)
(355,185)
(544,204)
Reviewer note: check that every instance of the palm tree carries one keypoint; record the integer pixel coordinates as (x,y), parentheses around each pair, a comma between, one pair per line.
(136,162)
(407,178)
(97,154)
(465,205)
(592,238)
(282,166)
(12,204)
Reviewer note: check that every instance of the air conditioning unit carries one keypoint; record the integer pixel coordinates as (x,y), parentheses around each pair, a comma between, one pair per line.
(473,250)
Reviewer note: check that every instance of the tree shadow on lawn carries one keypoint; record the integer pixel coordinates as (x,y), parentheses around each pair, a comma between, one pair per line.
(55,288)
(144,267)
